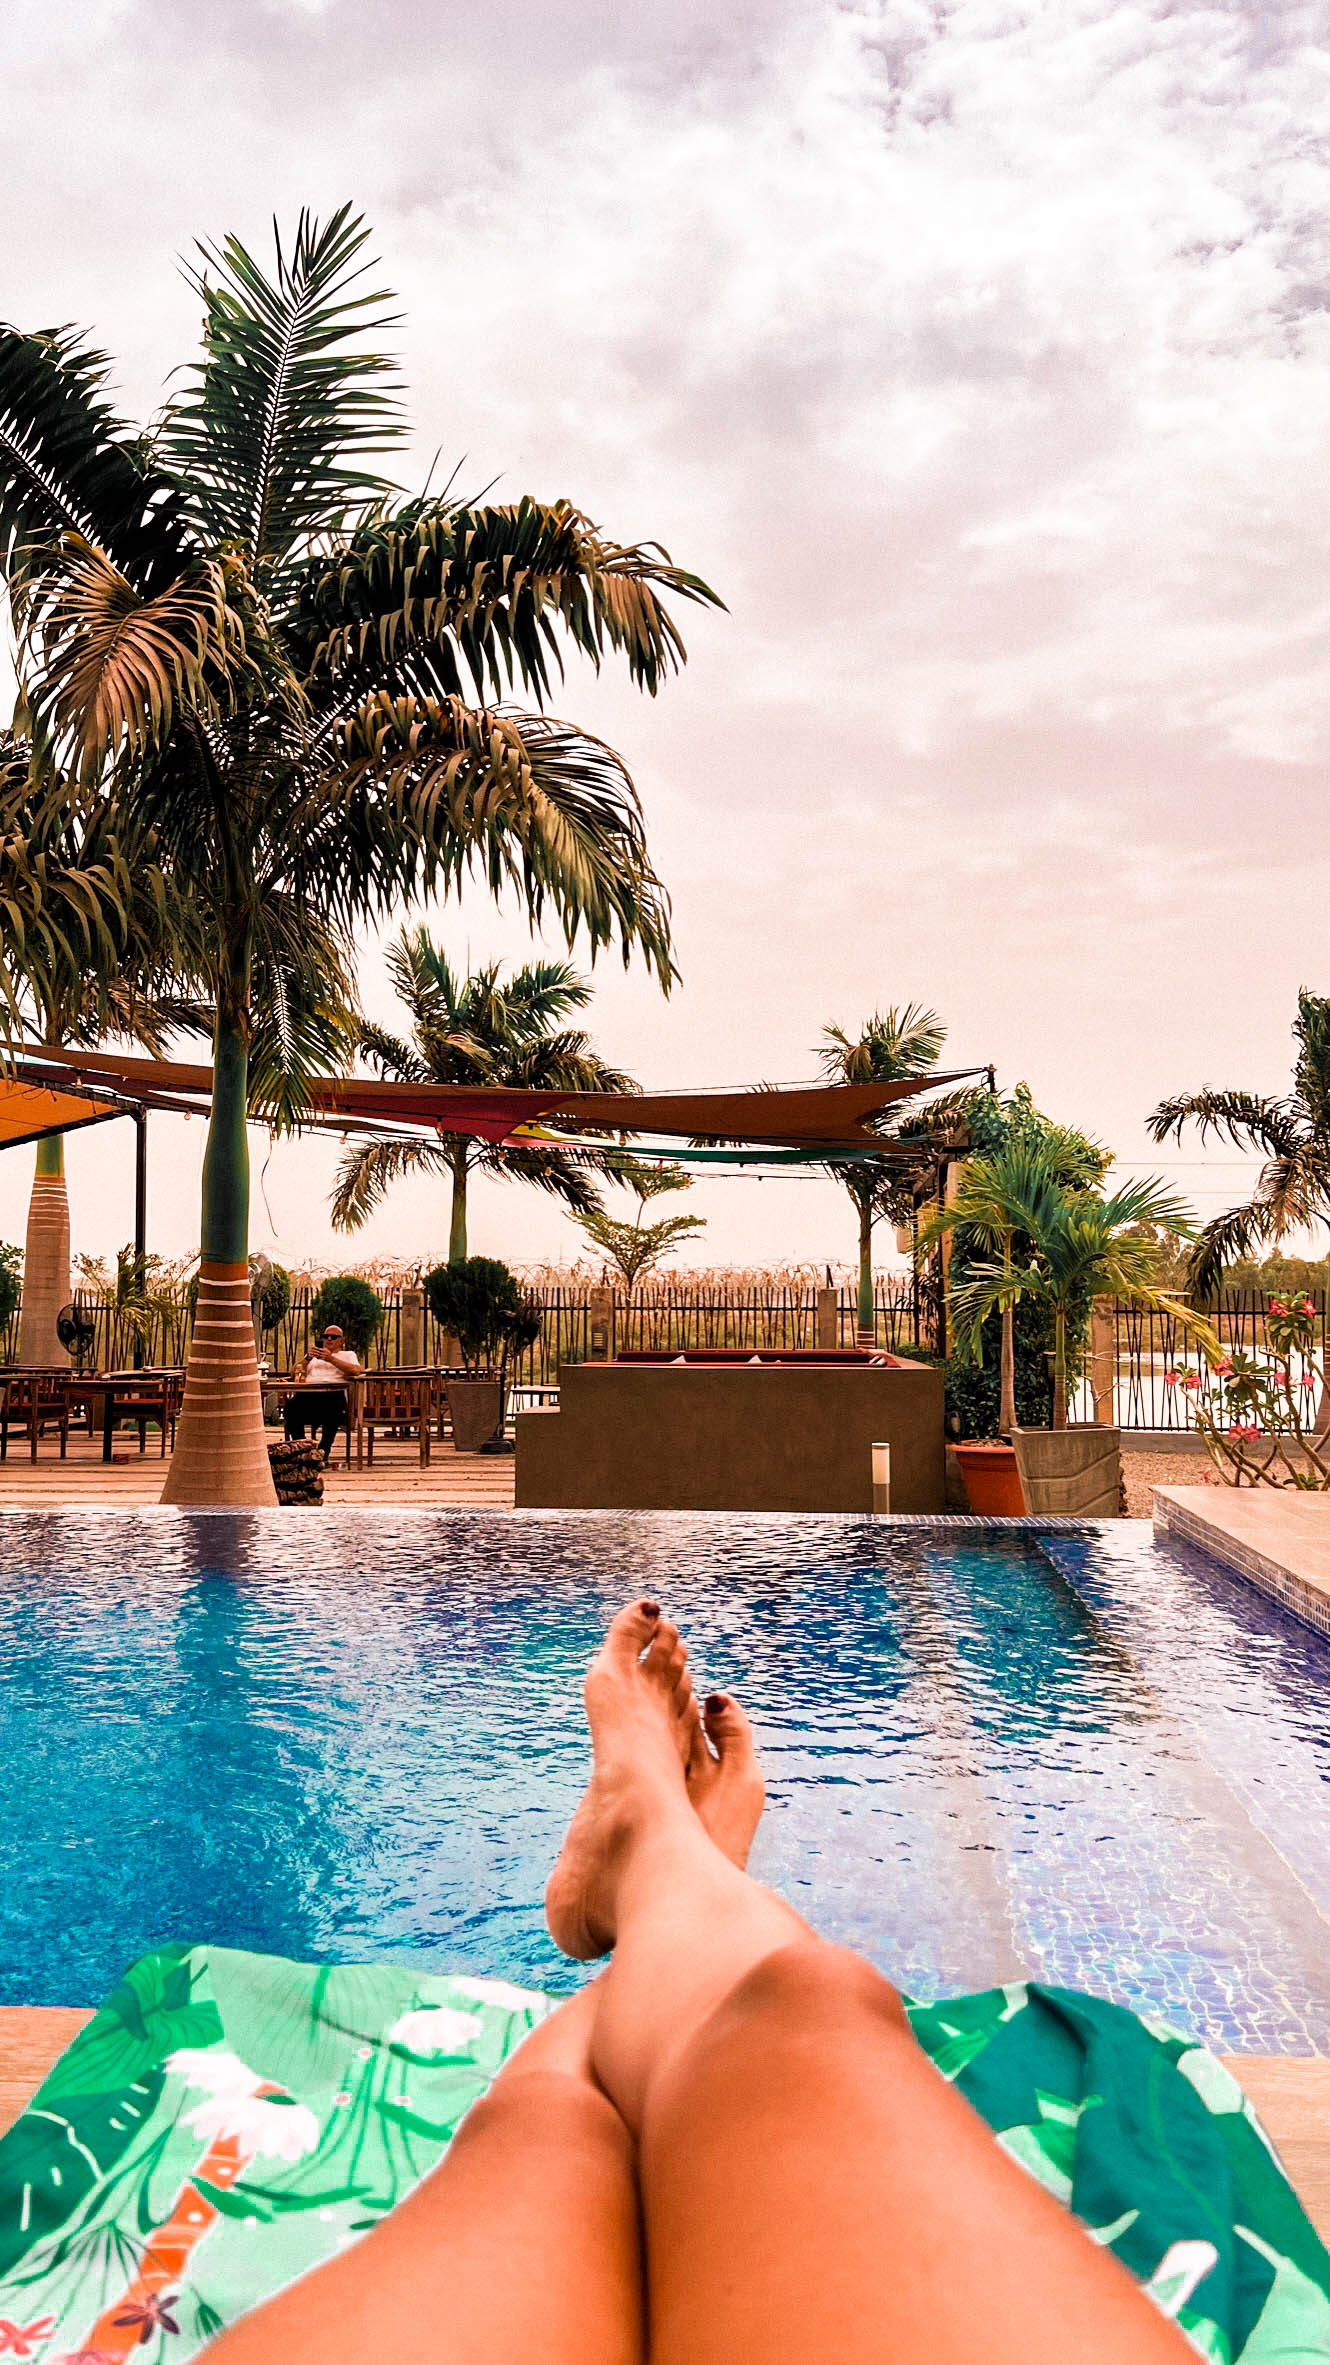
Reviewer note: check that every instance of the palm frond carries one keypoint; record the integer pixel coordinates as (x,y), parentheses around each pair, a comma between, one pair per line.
(267,440)
(1311,1071)
(69,464)
(306,1023)
(1250,1120)
(1223,1241)
(393,1058)
(429,788)
(367,1170)
(69,896)
(894,1044)
(109,671)
(565,1173)
(445,600)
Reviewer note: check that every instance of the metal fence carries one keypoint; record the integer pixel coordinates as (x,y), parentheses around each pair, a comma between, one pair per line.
(658,1318)
(1147,1347)
(676,1317)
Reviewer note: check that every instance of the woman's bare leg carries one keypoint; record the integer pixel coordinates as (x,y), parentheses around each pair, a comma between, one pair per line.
(524,2245)
(813,2192)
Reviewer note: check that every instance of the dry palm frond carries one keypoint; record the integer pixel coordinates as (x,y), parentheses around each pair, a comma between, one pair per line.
(108,670)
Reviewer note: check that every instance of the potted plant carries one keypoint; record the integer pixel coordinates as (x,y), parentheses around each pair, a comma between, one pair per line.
(481,1303)
(1080,1246)
(984,1217)
(354,1305)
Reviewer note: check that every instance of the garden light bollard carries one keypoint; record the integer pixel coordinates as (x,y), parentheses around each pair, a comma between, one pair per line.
(828,1319)
(411,1335)
(881,1477)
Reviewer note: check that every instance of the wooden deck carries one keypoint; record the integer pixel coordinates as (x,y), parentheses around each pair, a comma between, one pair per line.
(84,1482)
(1293,2097)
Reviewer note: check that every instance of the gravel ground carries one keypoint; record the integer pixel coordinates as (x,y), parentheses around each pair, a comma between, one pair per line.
(1141,1471)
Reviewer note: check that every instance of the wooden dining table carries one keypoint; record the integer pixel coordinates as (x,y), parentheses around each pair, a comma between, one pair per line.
(111,1395)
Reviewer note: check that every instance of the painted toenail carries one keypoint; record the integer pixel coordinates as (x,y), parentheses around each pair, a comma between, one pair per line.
(649,1609)
(716,1701)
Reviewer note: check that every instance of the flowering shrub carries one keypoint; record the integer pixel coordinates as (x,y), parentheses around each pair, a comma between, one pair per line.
(1260,1421)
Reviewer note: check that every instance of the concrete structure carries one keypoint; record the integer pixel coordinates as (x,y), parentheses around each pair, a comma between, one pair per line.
(1278,1539)
(717,1432)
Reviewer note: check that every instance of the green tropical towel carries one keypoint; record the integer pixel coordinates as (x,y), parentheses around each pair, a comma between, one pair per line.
(227,2120)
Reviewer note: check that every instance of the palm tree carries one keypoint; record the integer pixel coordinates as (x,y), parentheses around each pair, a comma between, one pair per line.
(477,1030)
(1291,1131)
(236,634)
(134,947)
(899,1043)
(991,1194)
(1081,1247)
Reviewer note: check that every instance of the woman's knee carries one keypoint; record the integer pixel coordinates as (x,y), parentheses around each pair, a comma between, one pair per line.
(549,2110)
(806,1991)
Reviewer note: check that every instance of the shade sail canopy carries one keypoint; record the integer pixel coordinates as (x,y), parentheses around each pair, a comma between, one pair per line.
(30,1111)
(810,1117)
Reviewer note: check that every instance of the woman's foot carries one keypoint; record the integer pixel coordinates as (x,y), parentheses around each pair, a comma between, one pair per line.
(724,1779)
(642,1714)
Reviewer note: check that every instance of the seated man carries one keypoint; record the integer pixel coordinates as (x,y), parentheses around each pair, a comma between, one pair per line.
(321,1404)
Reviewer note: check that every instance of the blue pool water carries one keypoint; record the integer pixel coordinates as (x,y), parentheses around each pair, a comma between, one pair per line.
(360,1736)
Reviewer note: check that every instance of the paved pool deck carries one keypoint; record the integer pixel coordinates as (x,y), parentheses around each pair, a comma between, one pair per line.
(1278,1540)
(1292,2096)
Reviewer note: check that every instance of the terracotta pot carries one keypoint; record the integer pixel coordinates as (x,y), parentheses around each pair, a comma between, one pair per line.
(992,1481)
(475,1408)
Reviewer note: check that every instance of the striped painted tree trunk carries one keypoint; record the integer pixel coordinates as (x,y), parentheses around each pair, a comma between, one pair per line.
(221,1451)
(46,1259)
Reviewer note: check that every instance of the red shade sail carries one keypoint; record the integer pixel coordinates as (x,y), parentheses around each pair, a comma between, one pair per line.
(817,1116)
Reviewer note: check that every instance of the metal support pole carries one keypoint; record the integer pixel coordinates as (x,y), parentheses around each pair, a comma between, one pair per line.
(140,1205)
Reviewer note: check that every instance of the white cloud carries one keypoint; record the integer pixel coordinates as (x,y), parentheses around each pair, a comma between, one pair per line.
(975,349)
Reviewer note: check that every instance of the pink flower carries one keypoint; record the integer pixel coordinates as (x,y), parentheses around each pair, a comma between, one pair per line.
(1225,1364)
(1307,1307)
(1281,1374)
(20,2337)
(1191,1382)
(1277,1306)
(1170,1379)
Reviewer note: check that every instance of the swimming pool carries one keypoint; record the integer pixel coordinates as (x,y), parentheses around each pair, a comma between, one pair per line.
(360,1736)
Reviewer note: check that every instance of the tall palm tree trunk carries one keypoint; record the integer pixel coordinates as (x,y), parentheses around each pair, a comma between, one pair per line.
(46,1258)
(221,1452)
(1007,1404)
(1060,1370)
(459,1161)
(866,1329)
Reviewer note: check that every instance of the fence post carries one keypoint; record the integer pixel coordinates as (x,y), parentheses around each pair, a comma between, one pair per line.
(411,1335)
(1103,1362)
(600,1326)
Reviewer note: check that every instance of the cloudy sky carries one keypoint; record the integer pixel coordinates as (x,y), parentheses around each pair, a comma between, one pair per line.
(975,350)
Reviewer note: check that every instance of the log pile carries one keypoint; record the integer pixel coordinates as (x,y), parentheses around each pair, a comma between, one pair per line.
(297,1470)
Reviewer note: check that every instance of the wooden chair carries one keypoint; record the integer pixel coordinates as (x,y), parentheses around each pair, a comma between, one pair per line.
(32,1400)
(399,1400)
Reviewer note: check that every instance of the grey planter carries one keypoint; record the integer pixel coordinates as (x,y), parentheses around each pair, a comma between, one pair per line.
(1071,1471)
(475,1407)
